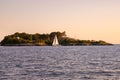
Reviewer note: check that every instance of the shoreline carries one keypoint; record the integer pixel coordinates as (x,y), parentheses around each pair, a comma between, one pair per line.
(51,45)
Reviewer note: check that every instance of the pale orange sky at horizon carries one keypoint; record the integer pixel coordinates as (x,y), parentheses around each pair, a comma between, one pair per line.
(82,19)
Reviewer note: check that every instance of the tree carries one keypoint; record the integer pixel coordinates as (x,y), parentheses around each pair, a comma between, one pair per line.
(47,39)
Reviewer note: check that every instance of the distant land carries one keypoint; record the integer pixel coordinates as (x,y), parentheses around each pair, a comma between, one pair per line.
(25,39)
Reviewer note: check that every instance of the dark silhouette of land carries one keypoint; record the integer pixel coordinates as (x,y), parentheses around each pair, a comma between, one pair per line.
(25,39)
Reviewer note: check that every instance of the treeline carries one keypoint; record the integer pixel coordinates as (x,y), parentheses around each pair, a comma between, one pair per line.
(45,39)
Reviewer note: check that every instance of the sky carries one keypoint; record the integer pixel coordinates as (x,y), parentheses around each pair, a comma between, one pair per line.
(81,19)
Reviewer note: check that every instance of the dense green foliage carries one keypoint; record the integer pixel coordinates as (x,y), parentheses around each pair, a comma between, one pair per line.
(46,39)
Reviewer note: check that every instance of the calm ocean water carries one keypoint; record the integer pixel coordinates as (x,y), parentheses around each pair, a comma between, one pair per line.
(60,63)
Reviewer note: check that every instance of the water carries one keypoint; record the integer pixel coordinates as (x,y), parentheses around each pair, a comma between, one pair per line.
(60,63)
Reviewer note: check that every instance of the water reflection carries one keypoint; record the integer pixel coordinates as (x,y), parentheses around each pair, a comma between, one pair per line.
(60,63)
